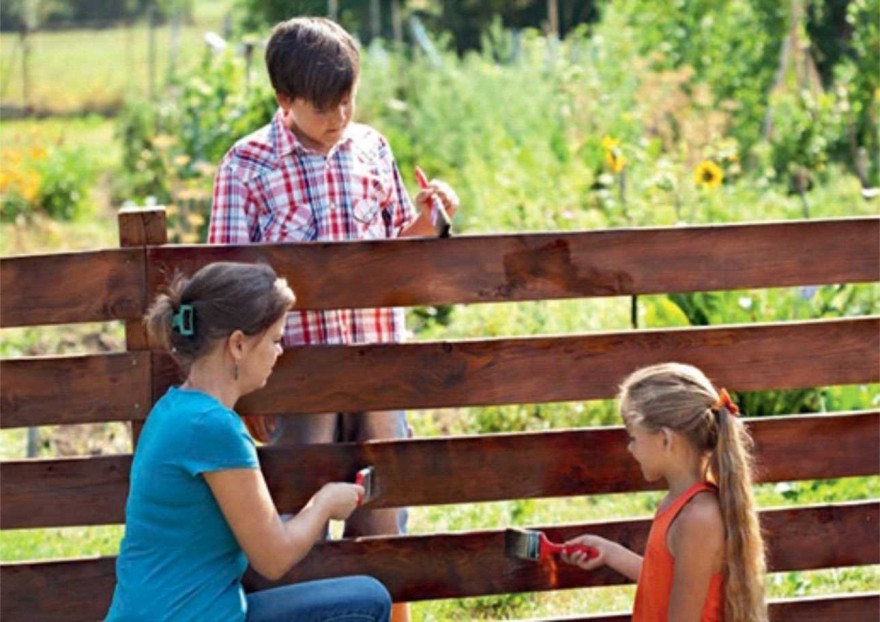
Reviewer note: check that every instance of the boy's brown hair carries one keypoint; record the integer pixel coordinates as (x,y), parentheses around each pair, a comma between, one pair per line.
(312,58)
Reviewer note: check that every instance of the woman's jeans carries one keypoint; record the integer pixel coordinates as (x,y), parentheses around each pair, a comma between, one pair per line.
(346,599)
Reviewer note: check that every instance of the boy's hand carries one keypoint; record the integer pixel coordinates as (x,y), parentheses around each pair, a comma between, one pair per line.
(423,225)
(580,559)
(441,190)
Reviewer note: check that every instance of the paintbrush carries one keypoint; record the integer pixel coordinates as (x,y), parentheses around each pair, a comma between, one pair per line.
(439,217)
(366,478)
(536,546)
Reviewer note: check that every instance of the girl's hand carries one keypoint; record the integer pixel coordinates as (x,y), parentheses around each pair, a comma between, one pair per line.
(579,559)
(339,499)
(443,192)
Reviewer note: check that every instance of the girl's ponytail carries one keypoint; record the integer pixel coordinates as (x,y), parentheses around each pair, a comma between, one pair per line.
(681,398)
(745,566)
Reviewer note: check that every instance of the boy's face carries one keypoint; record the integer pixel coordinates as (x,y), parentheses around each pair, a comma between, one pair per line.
(317,129)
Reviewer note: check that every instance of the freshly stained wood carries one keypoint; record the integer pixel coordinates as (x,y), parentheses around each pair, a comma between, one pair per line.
(93,286)
(92,491)
(502,268)
(111,387)
(558,369)
(57,591)
(74,389)
(473,563)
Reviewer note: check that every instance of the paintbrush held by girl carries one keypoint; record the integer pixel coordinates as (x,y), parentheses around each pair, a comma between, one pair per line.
(704,560)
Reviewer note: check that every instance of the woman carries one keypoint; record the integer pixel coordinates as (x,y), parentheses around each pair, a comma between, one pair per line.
(198,508)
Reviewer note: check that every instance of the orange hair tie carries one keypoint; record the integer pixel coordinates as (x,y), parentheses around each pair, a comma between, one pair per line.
(725,401)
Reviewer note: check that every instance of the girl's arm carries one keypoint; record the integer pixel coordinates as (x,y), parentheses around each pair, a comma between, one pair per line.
(696,541)
(611,554)
(272,546)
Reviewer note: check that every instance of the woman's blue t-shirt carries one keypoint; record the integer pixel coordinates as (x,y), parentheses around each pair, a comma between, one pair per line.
(179,559)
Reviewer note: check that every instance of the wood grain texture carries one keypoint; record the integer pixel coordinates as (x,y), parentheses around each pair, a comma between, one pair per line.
(455,565)
(139,227)
(511,267)
(92,286)
(74,389)
(104,387)
(87,491)
(558,369)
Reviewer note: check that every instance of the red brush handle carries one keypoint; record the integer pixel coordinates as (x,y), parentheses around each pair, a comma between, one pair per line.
(552,548)
(359,480)
(437,209)
(421,179)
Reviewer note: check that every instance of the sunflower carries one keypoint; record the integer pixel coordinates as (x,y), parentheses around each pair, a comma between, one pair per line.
(610,144)
(708,175)
(615,160)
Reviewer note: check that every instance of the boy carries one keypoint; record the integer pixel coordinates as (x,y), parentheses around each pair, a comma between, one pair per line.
(312,174)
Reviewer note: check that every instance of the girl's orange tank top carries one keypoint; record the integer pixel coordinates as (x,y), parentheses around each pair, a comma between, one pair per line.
(655,579)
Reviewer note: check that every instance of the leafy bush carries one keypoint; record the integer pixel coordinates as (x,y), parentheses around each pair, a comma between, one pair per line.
(54,181)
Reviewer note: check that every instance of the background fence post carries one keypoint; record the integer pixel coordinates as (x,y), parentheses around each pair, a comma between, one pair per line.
(141,227)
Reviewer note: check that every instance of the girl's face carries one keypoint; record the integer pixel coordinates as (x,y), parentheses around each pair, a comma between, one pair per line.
(261,353)
(649,450)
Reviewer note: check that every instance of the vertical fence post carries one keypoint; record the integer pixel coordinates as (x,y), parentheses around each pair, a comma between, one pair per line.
(141,228)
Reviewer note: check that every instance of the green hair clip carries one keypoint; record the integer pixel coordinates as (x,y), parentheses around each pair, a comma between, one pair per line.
(182,321)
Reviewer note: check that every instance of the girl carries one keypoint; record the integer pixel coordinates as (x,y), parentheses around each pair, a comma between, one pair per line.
(198,508)
(705,556)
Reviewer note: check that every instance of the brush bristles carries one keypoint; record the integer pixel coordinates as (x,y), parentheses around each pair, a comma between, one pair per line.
(522,544)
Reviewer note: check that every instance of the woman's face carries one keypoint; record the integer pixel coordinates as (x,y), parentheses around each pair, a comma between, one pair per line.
(261,353)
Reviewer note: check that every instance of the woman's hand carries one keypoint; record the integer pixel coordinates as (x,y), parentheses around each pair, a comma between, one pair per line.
(338,499)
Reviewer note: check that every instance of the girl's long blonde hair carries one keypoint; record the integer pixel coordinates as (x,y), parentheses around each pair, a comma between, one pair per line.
(680,397)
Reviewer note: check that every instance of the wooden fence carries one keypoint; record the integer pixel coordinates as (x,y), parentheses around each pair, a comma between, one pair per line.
(117,284)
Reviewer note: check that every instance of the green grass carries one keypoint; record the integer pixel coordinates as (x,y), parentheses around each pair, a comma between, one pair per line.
(75,70)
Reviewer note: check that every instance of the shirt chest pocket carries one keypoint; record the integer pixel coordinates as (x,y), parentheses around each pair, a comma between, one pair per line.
(285,214)
(369,218)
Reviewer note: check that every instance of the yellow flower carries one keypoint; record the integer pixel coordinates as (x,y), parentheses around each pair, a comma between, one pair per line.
(181,160)
(708,175)
(615,160)
(196,220)
(163,141)
(610,144)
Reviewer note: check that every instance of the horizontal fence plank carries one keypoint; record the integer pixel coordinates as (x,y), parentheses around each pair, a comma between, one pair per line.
(455,565)
(74,389)
(864,607)
(92,286)
(92,491)
(512,267)
(803,538)
(557,369)
(98,388)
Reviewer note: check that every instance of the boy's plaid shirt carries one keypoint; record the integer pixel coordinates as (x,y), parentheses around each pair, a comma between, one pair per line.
(271,188)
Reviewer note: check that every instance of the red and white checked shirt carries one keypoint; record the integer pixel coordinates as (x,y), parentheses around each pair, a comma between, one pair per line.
(271,188)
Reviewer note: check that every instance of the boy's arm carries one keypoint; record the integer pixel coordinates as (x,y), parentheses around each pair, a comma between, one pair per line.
(233,219)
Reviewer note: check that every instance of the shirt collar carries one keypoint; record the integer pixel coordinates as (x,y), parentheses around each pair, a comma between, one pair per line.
(286,141)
